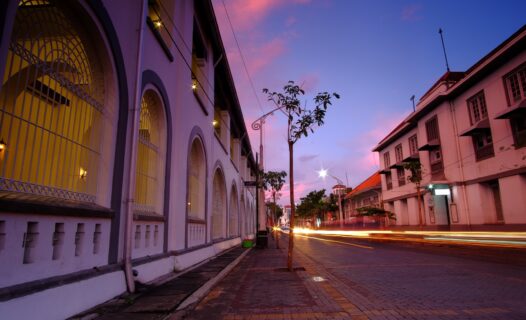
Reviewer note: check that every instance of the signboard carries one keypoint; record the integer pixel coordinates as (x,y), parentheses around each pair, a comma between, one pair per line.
(250,183)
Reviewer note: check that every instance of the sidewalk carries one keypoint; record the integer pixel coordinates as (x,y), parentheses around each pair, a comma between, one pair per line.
(260,287)
(161,300)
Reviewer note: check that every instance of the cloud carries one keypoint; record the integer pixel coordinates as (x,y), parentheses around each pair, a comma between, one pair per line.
(247,14)
(411,12)
(264,55)
(360,159)
(310,157)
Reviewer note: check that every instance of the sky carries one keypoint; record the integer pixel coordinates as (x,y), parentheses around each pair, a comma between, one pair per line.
(374,54)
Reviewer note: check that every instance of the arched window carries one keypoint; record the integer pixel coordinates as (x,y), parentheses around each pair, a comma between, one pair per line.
(233,216)
(196,181)
(218,206)
(54,105)
(149,182)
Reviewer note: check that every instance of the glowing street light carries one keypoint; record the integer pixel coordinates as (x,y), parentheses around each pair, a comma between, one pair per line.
(338,189)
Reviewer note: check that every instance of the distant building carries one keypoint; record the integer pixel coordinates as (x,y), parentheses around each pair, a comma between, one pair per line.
(122,146)
(366,194)
(284,220)
(469,134)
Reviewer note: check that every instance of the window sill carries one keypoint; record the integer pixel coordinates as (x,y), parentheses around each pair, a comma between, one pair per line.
(142,216)
(195,221)
(43,205)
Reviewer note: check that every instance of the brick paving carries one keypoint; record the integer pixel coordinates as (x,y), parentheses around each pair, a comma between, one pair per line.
(261,288)
(390,282)
(383,283)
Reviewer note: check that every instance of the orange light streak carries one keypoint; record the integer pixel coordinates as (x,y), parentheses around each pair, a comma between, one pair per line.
(472,238)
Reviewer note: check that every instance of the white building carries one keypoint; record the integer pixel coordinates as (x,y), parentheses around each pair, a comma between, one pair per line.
(284,220)
(122,145)
(367,193)
(469,134)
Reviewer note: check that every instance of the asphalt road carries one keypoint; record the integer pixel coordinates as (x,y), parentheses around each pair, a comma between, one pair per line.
(423,282)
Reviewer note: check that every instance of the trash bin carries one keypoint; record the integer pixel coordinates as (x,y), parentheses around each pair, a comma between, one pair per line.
(247,243)
(262,239)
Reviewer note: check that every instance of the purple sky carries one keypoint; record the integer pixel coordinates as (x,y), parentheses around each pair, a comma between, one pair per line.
(375,54)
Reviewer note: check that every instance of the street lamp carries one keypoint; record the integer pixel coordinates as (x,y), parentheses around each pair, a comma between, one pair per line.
(339,190)
(257,125)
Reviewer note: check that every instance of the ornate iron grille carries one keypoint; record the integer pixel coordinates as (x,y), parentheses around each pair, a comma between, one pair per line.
(50,105)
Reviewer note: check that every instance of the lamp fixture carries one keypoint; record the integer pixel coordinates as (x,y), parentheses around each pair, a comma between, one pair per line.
(158,23)
(2,145)
(194,84)
(215,123)
(83,173)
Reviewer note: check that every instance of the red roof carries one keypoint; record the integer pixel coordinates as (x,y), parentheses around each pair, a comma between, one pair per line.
(373,182)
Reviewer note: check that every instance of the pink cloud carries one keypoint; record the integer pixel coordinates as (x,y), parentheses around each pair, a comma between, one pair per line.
(410,12)
(264,55)
(247,14)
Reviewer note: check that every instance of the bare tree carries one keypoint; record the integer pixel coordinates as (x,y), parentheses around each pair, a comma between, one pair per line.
(301,121)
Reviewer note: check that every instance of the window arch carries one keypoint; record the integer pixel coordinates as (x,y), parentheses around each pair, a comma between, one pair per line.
(149,171)
(233,216)
(196,181)
(54,105)
(218,205)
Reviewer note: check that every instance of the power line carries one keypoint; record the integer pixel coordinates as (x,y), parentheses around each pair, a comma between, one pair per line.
(242,57)
(186,61)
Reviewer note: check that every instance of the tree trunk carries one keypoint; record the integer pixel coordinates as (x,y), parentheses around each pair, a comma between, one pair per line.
(419,205)
(276,235)
(292,206)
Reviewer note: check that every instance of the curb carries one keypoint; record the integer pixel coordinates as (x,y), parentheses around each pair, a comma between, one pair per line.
(205,289)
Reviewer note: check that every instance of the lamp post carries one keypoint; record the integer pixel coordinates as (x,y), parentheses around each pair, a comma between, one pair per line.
(257,125)
(338,189)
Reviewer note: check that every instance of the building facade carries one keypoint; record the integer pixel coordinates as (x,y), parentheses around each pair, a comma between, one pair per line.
(123,150)
(366,194)
(468,133)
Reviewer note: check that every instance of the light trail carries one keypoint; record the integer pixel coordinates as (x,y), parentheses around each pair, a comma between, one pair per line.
(342,242)
(480,238)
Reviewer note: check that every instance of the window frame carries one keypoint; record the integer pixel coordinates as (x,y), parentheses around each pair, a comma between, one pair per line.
(201,179)
(95,45)
(413,144)
(387,160)
(156,207)
(388,181)
(399,153)
(477,107)
(400,173)
(511,99)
